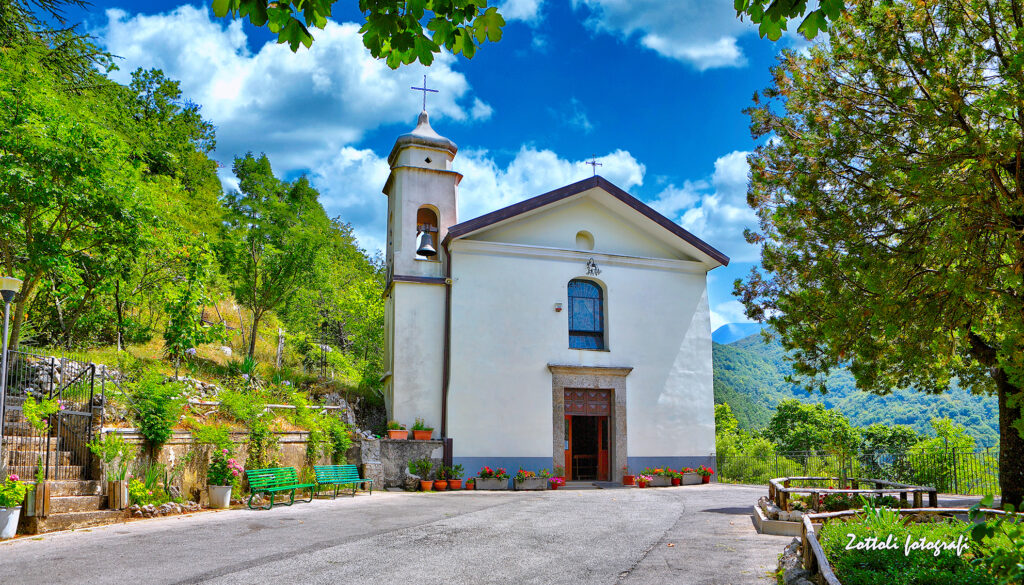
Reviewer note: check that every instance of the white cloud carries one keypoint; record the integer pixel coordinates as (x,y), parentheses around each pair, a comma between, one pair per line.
(526,10)
(727,312)
(715,211)
(302,106)
(697,32)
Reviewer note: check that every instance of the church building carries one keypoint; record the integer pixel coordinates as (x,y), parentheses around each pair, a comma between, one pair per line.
(571,328)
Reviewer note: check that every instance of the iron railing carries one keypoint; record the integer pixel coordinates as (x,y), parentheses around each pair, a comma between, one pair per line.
(60,448)
(948,470)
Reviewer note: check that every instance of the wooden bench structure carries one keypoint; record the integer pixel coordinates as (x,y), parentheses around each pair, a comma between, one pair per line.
(339,476)
(779,490)
(273,480)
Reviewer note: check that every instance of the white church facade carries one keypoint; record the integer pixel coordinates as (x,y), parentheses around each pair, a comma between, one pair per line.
(572,328)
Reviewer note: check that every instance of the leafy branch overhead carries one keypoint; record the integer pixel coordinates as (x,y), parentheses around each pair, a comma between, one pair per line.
(771,16)
(395,30)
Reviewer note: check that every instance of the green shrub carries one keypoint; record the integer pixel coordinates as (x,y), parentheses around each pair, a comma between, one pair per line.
(1001,539)
(110,449)
(250,409)
(38,413)
(156,407)
(893,566)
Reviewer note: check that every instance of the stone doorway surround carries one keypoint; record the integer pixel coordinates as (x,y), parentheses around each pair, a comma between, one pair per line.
(591,377)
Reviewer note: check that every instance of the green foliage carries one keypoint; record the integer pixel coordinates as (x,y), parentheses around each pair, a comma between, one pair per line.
(115,454)
(1002,540)
(394,425)
(750,376)
(249,408)
(394,29)
(224,469)
(773,15)
(12,492)
(144,495)
(216,435)
(156,407)
(186,329)
(797,426)
(888,205)
(421,467)
(419,425)
(894,566)
(38,413)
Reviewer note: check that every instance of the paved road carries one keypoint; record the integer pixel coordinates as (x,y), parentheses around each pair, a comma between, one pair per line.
(694,535)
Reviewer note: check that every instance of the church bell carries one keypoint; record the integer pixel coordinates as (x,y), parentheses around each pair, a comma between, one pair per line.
(426,246)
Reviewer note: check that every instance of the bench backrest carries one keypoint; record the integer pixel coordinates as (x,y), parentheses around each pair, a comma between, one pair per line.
(271,478)
(336,473)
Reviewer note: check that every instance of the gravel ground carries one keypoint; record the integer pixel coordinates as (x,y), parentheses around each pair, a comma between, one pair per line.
(693,535)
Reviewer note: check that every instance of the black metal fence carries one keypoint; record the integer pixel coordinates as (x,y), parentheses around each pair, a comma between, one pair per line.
(59,446)
(947,470)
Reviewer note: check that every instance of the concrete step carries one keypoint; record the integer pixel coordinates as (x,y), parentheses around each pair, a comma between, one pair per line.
(70,521)
(75,488)
(20,457)
(67,504)
(62,472)
(578,485)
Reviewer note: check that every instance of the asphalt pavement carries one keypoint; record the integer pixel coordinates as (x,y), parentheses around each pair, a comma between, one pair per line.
(692,535)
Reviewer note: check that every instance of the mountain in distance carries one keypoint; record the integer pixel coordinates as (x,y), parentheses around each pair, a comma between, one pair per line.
(750,378)
(731,332)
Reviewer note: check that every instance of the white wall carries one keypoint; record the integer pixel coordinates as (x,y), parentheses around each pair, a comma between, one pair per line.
(505,331)
(418,348)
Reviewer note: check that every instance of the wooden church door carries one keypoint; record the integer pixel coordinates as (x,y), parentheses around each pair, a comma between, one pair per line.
(587,434)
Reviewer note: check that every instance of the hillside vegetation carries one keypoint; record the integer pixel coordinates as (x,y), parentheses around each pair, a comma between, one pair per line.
(750,378)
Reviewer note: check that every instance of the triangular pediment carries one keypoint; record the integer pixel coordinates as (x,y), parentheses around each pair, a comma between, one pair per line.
(594,211)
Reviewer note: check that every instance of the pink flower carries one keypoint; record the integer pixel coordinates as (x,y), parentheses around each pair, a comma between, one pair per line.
(13,477)
(224,451)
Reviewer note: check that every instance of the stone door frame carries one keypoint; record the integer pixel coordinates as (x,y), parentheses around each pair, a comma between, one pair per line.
(591,377)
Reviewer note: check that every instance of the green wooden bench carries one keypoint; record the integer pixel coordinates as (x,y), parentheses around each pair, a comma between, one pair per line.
(341,475)
(273,480)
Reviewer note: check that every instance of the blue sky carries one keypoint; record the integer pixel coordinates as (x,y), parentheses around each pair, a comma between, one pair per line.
(655,89)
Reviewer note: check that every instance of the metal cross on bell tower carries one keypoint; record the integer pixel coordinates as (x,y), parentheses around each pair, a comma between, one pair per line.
(424,89)
(593,162)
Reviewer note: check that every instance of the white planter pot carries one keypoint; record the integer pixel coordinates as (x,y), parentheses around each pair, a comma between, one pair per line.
(532,483)
(9,522)
(491,484)
(660,481)
(691,478)
(220,496)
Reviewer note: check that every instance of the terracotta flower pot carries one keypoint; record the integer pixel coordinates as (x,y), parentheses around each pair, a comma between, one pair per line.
(455,484)
(398,434)
(470,485)
(440,485)
(426,485)
(677,481)
(422,435)
(705,479)
(554,486)
(628,480)
(641,483)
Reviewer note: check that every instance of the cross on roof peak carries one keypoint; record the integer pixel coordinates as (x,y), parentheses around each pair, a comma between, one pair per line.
(594,164)
(424,89)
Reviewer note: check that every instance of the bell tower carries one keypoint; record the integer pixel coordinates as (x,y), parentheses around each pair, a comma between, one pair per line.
(422,193)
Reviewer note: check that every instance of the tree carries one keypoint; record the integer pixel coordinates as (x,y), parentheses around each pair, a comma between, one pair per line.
(774,17)
(186,330)
(891,205)
(394,29)
(797,426)
(66,175)
(273,235)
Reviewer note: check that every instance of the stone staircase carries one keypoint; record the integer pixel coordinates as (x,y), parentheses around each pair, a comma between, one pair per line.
(75,500)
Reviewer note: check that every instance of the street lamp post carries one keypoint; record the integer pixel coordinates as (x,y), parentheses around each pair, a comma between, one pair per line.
(8,288)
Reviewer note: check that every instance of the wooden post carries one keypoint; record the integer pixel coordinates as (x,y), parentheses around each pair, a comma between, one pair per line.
(917,499)
(933,499)
(903,499)
(280,347)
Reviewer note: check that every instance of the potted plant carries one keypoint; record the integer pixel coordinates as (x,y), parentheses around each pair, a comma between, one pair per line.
(528,480)
(221,476)
(559,474)
(441,482)
(37,500)
(492,479)
(420,430)
(115,454)
(705,474)
(642,480)
(690,477)
(396,430)
(658,477)
(422,468)
(455,474)
(12,494)
(471,484)
(677,477)
(627,478)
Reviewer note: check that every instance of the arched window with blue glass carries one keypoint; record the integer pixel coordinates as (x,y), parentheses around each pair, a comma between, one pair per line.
(586,315)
